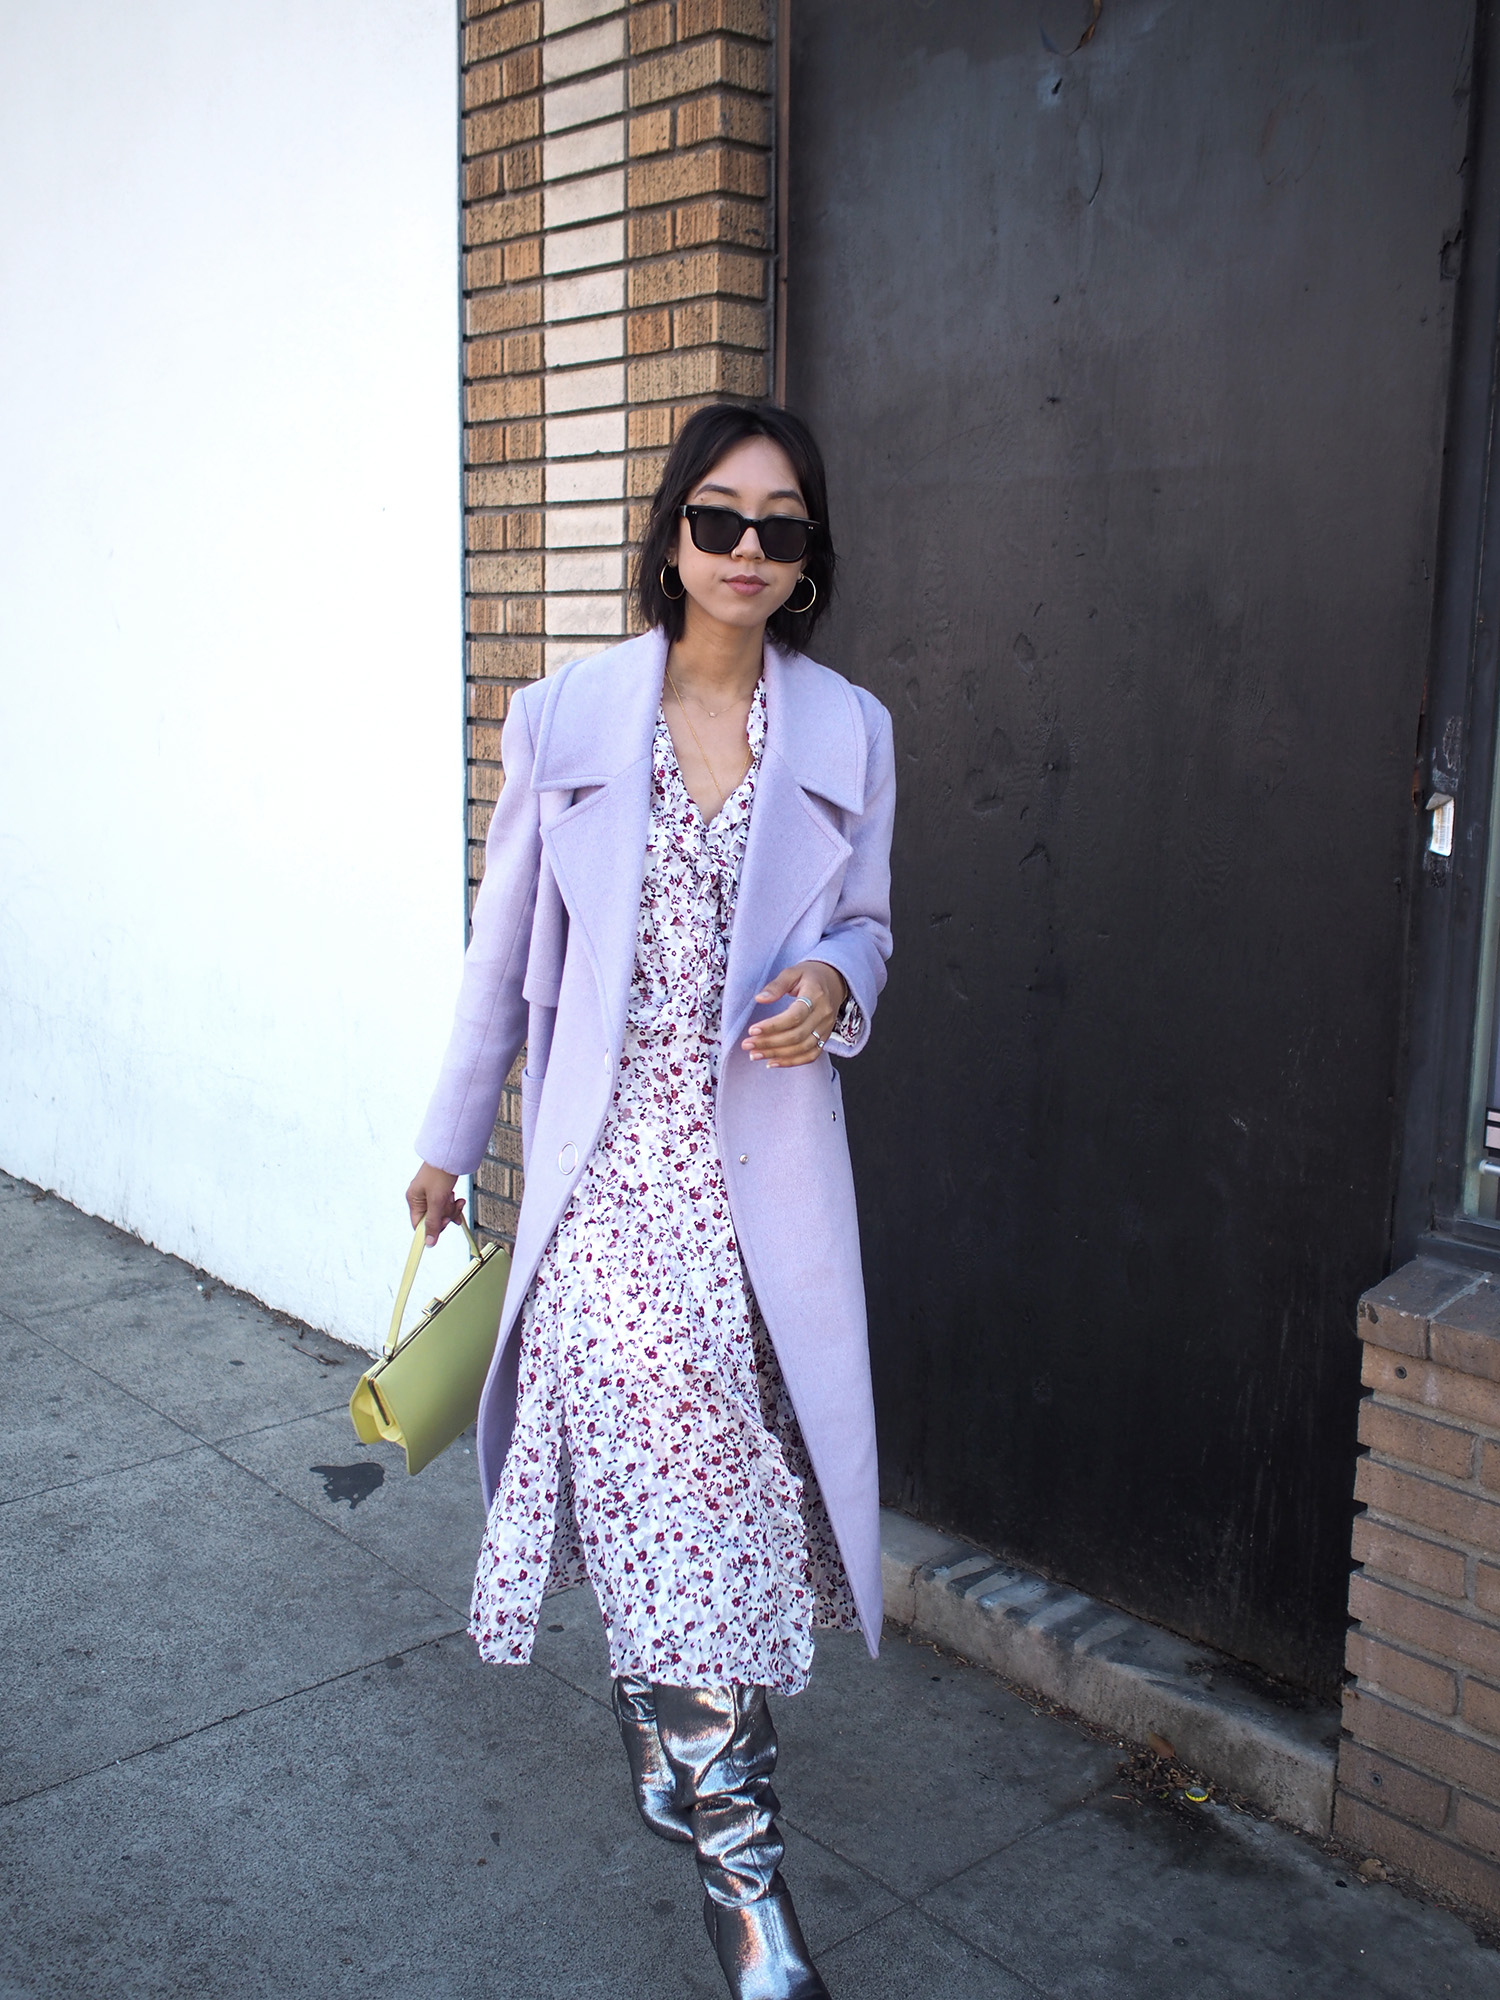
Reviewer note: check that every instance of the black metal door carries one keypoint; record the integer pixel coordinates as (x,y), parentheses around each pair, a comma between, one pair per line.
(1131,365)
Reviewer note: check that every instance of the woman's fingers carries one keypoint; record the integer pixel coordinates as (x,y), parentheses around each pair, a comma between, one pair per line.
(431,1195)
(786,1030)
(797,1034)
(805,1051)
(439,1215)
(784,982)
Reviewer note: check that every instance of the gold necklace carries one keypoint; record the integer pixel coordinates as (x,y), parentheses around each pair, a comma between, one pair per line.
(713,774)
(713,714)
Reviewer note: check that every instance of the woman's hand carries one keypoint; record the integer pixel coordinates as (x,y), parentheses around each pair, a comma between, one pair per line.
(797,1034)
(431,1194)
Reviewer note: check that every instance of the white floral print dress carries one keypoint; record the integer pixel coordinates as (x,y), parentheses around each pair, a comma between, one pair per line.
(655,1449)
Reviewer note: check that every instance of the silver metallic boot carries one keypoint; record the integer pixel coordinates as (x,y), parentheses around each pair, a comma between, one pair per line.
(650,1773)
(721,1747)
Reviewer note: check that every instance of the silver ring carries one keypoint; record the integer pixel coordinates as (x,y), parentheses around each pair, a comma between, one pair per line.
(822,1044)
(806,1002)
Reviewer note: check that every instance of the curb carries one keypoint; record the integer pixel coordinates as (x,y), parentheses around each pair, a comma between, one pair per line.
(1113,1670)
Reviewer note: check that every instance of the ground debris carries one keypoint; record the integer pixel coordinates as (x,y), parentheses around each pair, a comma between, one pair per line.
(1371,1869)
(1163,1780)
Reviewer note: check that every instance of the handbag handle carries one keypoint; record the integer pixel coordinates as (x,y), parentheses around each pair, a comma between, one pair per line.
(408,1276)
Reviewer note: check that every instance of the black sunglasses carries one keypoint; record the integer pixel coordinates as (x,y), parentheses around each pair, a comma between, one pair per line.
(718,531)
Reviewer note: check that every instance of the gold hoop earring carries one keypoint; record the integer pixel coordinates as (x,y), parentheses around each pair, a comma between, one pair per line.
(662,580)
(798,610)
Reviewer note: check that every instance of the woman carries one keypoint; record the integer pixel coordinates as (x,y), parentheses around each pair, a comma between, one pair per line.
(685,910)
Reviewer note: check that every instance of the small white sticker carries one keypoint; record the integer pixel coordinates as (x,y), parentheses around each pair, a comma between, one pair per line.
(1440,840)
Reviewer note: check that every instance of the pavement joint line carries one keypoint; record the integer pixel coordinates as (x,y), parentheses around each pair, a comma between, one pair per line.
(251,1473)
(981,1951)
(1043,1825)
(123,1387)
(903,1898)
(561,1678)
(334,1528)
(229,1437)
(215,1446)
(78,1361)
(113,1294)
(281,1423)
(198,1441)
(785,1818)
(789,1819)
(165,1743)
(222,1721)
(41,1333)
(911,1902)
(908,1902)
(870,1923)
(903,1905)
(863,1868)
(107,1472)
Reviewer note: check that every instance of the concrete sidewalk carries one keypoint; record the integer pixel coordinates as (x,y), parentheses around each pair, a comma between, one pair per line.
(249,1751)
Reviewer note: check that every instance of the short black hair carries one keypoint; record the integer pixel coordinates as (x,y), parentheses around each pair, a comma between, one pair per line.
(703,440)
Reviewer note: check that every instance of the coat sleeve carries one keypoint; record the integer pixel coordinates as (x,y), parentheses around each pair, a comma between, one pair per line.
(489,1023)
(858,941)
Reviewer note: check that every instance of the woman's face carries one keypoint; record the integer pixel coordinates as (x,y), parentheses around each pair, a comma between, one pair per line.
(742,588)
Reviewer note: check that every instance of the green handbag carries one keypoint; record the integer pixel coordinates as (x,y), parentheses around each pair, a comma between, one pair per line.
(423,1392)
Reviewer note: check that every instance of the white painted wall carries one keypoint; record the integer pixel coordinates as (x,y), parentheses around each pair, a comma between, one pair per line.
(231,783)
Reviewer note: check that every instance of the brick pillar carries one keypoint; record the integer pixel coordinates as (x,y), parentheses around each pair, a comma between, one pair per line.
(617,239)
(699,191)
(1419,1770)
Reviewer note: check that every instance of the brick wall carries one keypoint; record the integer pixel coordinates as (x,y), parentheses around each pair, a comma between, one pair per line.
(1419,1770)
(617,233)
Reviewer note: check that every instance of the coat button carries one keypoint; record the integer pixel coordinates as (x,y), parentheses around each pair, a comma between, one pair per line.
(567,1159)
(743,1158)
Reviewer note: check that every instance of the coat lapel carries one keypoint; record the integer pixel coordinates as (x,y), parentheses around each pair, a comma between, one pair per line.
(595,739)
(814,746)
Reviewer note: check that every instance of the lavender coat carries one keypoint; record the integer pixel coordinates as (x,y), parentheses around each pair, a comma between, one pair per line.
(550,963)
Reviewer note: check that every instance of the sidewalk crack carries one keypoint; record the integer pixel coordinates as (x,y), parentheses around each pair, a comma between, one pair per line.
(222,1721)
(103,1472)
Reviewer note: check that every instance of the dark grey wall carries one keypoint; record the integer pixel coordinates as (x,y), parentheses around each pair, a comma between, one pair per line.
(1131,370)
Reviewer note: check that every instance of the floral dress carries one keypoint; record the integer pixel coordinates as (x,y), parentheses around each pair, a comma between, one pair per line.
(656,1451)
